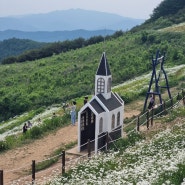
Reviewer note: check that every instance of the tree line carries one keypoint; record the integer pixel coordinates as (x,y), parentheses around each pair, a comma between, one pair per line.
(167,8)
(58,47)
(14,46)
(166,14)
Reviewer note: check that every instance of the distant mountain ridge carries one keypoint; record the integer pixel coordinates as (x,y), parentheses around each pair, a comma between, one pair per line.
(73,19)
(46,36)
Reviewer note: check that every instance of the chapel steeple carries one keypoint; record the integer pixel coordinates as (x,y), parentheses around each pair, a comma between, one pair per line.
(103,79)
(103,68)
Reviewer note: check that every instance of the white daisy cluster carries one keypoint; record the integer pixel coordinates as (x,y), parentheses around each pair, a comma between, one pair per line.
(18,129)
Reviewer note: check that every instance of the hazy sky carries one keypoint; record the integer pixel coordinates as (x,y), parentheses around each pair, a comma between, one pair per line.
(127,8)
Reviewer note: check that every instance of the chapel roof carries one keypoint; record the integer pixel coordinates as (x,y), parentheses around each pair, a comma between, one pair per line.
(99,109)
(111,103)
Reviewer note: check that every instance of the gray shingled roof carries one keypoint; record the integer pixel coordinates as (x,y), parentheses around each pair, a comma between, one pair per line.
(97,106)
(103,68)
(111,103)
(118,97)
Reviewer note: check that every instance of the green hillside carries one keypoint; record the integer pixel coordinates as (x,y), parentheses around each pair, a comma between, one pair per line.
(14,47)
(66,76)
(167,13)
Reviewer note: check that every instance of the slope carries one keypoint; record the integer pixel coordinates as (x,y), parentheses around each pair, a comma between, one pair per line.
(16,162)
(69,75)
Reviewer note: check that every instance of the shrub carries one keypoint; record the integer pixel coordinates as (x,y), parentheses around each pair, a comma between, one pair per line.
(35,132)
(3,146)
(124,143)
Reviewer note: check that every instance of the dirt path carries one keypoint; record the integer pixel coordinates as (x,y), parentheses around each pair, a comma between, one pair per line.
(14,163)
(38,151)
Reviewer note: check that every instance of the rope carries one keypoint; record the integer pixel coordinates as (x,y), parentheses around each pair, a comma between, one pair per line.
(113,142)
(59,155)
(16,169)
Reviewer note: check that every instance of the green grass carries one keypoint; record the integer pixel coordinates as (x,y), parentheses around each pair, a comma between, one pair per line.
(34,133)
(60,78)
(54,157)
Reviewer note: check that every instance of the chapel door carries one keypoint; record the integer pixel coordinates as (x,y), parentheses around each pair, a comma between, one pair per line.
(87,124)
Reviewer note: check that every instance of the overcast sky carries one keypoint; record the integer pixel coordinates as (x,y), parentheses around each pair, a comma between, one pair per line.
(127,8)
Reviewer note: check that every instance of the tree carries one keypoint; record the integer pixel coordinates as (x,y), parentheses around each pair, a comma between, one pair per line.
(167,7)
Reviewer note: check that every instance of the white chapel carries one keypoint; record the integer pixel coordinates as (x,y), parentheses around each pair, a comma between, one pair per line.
(102,114)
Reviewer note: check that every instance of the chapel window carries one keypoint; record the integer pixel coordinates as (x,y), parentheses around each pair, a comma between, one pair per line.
(100,85)
(113,122)
(101,125)
(118,118)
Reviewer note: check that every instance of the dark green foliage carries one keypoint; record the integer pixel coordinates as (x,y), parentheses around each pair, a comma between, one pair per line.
(3,146)
(166,8)
(168,13)
(124,143)
(36,132)
(13,47)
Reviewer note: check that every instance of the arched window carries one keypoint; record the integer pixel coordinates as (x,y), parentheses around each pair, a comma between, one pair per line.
(113,122)
(82,123)
(109,85)
(92,117)
(101,125)
(100,85)
(118,118)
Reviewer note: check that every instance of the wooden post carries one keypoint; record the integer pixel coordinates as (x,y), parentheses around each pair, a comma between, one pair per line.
(1,177)
(152,118)
(89,148)
(183,100)
(107,141)
(164,105)
(33,172)
(63,162)
(178,96)
(147,121)
(172,102)
(183,97)
(137,124)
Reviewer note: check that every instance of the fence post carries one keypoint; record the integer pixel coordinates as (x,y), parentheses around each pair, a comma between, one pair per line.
(172,102)
(89,148)
(183,100)
(147,121)
(164,105)
(1,177)
(63,162)
(137,124)
(178,96)
(107,141)
(152,118)
(33,171)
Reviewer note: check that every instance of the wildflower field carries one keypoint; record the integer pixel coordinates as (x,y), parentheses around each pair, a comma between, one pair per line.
(155,161)
(138,161)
